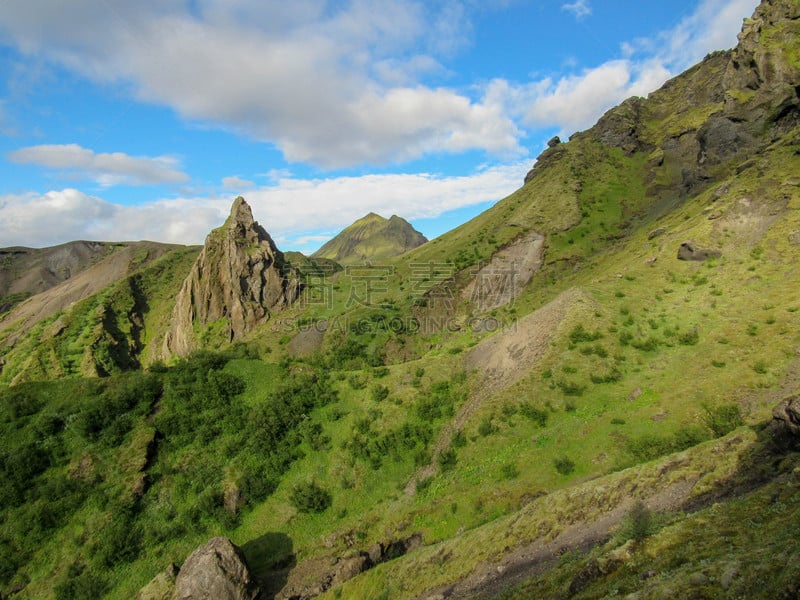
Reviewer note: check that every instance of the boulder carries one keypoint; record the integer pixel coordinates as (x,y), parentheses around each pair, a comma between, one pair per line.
(215,571)
(553,141)
(785,425)
(691,251)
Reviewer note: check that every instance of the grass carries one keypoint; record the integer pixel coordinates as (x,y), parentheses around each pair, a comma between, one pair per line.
(622,402)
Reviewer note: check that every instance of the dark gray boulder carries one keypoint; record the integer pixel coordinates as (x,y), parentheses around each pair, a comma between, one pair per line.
(691,251)
(785,425)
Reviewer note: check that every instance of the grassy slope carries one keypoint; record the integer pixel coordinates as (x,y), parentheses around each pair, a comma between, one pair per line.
(673,336)
(95,335)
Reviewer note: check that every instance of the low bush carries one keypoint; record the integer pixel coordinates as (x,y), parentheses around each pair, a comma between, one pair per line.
(537,415)
(309,497)
(722,419)
(564,465)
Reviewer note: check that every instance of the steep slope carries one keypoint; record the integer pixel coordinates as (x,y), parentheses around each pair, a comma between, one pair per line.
(25,272)
(104,320)
(372,238)
(642,160)
(238,279)
(109,264)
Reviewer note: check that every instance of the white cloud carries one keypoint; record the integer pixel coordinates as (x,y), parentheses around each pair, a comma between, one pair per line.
(713,26)
(235,182)
(579,8)
(574,102)
(292,209)
(300,76)
(104,168)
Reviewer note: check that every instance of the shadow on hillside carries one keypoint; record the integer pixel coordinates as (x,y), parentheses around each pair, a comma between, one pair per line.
(767,460)
(270,558)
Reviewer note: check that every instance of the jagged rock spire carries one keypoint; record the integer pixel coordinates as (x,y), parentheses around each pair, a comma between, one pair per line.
(238,279)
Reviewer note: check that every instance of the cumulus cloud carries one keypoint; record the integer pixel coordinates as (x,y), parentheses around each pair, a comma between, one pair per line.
(713,26)
(575,101)
(104,168)
(579,8)
(330,85)
(234,182)
(292,209)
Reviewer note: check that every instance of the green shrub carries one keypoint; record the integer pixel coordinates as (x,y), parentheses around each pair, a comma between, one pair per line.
(611,377)
(579,334)
(760,367)
(537,415)
(120,541)
(564,465)
(80,583)
(424,483)
(447,459)
(379,392)
(570,388)
(638,524)
(689,338)
(722,419)
(308,497)
(509,470)
(380,372)
(650,446)
(459,439)
(688,436)
(357,381)
(486,426)
(648,344)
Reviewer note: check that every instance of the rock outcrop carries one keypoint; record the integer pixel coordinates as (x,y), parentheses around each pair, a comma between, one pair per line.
(763,78)
(239,278)
(785,425)
(216,571)
(689,250)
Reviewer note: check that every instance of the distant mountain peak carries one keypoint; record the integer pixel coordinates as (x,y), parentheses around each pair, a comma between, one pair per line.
(372,237)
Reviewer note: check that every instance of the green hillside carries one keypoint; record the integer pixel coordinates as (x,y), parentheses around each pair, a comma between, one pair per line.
(371,238)
(571,395)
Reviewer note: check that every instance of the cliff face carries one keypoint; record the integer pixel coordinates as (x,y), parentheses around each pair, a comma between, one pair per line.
(702,123)
(763,75)
(239,278)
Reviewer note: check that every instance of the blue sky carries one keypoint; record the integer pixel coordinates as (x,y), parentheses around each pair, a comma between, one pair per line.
(143,120)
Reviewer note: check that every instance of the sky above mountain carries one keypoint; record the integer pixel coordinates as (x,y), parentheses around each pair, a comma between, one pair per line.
(143,120)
